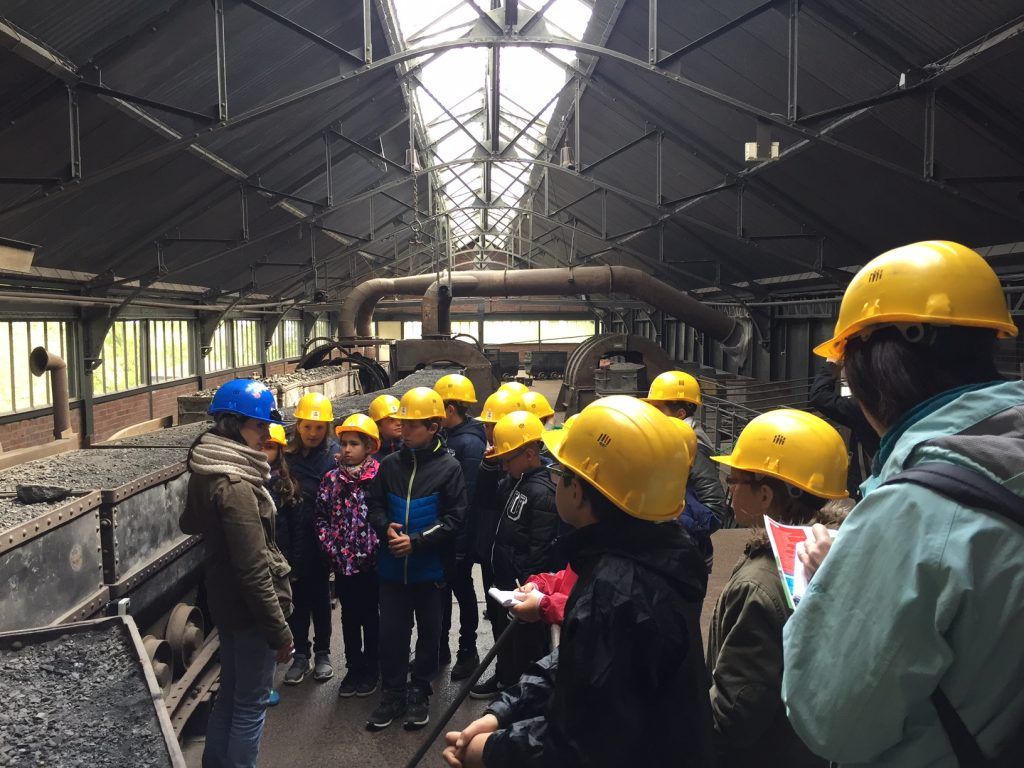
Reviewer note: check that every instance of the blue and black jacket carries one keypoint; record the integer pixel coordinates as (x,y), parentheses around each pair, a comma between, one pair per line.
(467,443)
(423,490)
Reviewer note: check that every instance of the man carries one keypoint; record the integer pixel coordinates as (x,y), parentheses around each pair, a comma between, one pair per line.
(627,684)
(465,440)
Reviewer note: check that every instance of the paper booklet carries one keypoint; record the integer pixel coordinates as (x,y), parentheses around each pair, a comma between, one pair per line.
(786,541)
(506,598)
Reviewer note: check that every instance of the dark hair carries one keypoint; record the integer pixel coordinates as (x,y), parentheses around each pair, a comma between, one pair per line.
(462,409)
(889,374)
(367,441)
(682,405)
(295,441)
(434,421)
(791,506)
(601,507)
(284,484)
(226,425)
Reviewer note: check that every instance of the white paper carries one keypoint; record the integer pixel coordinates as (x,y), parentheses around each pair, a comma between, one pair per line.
(507,597)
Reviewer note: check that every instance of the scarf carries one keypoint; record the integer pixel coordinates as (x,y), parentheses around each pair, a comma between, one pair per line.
(214,455)
(353,472)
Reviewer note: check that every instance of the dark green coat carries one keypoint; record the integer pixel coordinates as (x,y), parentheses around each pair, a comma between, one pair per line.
(745,661)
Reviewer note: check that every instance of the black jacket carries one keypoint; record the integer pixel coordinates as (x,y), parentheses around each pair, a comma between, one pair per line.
(826,399)
(526,530)
(423,490)
(304,553)
(706,484)
(488,510)
(467,444)
(627,685)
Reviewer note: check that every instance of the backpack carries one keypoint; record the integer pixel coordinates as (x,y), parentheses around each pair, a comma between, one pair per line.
(971,489)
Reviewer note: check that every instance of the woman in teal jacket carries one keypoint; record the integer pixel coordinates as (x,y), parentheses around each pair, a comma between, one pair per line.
(919,594)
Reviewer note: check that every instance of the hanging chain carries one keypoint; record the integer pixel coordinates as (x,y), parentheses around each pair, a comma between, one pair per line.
(417,225)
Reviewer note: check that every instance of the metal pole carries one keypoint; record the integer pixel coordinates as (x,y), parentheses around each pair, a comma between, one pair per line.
(367,31)
(329,176)
(652,32)
(74,134)
(793,111)
(222,63)
(576,125)
(463,692)
(928,171)
(658,197)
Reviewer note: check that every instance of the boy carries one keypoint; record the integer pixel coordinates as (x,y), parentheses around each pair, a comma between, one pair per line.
(627,685)
(417,504)
(382,410)
(465,440)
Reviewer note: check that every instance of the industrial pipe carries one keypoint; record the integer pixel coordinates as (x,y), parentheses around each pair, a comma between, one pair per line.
(732,332)
(357,311)
(40,361)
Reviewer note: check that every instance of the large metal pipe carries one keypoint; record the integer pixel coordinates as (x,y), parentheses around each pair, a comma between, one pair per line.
(40,361)
(357,311)
(573,281)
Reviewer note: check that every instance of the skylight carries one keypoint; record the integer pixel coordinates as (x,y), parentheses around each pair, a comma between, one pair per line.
(451,94)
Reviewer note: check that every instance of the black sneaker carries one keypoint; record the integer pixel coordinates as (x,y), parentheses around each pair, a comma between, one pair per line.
(418,712)
(391,707)
(487,689)
(444,656)
(349,684)
(367,685)
(465,663)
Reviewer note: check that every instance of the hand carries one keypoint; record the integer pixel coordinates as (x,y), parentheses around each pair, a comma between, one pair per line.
(400,546)
(452,755)
(812,553)
(528,609)
(464,747)
(284,653)
(393,530)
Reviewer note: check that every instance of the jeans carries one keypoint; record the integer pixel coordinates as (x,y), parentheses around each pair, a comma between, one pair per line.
(360,620)
(469,614)
(398,604)
(311,597)
(236,722)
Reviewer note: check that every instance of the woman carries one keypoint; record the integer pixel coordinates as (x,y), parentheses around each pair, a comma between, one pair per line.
(786,464)
(918,609)
(310,455)
(345,535)
(246,575)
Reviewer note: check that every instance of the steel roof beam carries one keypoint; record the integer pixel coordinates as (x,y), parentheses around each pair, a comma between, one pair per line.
(307,33)
(718,32)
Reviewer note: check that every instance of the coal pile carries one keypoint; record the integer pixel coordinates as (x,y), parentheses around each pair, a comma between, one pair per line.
(304,376)
(182,436)
(90,469)
(79,701)
(13,512)
(346,406)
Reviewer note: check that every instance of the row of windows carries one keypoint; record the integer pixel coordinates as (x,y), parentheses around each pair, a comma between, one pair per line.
(136,353)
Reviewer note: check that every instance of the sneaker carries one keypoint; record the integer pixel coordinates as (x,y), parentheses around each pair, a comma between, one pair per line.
(349,684)
(392,706)
(275,698)
(465,663)
(444,657)
(323,669)
(418,711)
(301,666)
(367,685)
(487,689)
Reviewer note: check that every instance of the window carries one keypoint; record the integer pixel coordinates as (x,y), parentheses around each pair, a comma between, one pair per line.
(19,389)
(276,349)
(219,358)
(467,327)
(412,329)
(292,338)
(565,331)
(247,342)
(123,365)
(322,329)
(170,350)
(498,332)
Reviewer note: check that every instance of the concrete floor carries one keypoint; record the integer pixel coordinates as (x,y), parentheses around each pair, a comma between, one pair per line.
(313,728)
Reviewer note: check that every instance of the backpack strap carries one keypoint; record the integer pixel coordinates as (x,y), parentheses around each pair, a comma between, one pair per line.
(965,486)
(971,489)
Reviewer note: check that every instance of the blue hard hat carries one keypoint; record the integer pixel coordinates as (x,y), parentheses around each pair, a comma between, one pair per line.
(248,398)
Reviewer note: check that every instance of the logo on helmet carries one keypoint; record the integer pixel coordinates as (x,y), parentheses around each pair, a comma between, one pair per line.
(604,439)
(779,440)
(875,275)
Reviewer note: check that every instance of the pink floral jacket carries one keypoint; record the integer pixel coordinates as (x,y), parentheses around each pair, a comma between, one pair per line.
(341,520)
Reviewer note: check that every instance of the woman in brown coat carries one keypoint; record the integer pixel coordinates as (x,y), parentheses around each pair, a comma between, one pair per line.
(787,465)
(246,575)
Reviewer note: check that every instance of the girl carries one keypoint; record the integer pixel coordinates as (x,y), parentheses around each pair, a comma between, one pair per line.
(786,464)
(246,576)
(350,543)
(310,454)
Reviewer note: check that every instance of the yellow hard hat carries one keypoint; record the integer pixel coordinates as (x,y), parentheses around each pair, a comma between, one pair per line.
(568,422)
(314,407)
(499,404)
(361,423)
(514,387)
(935,281)
(689,436)
(420,403)
(383,407)
(555,436)
(673,387)
(514,430)
(630,452)
(277,434)
(456,387)
(537,404)
(796,447)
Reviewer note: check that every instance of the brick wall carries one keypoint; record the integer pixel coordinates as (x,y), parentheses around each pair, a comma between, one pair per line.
(114,415)
(34,431)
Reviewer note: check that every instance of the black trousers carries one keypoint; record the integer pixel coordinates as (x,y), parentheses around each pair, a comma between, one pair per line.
(529,642)
(399,604)
(469,613)
(311,599)
(360,620)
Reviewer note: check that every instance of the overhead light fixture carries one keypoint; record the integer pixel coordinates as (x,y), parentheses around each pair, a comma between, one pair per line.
(565,158)
(16,256)
(764,148)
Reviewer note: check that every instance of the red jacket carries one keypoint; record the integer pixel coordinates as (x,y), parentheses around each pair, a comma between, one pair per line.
(556,588)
